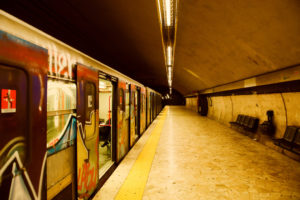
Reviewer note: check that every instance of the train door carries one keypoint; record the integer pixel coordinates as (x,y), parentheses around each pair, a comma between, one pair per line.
(138,111)
(122,120)
(106,123)
(133,123)
(142,110)
(87,131)
(152,106)
(127,113)
(157,104)
(148,107)
(23,85)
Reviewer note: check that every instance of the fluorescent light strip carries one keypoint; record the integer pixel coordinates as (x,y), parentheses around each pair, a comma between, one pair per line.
(169,55)
(168,12)
(170,72)
(170,83)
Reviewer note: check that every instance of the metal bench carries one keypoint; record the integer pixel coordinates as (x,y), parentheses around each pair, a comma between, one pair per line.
(246,122)
(296,144)
(252,124)
(238,120)
(287,141)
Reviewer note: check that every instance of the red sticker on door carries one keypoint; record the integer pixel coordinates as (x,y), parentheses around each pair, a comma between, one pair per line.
(8,101)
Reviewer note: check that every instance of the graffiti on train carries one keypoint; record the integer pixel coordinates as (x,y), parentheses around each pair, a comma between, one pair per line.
(123,120)
(65,138)
(87,156)
(87,179)
(60,64)
(15,182)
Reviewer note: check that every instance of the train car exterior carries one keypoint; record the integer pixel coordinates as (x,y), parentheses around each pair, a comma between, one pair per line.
(123,120)
(23,78)
(152,104)
(143,110)
(68,118)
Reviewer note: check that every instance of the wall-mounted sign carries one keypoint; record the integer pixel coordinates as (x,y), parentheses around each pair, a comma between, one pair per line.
(8,101)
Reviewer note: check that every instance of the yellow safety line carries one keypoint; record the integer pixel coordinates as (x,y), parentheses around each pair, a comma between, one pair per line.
(134,185)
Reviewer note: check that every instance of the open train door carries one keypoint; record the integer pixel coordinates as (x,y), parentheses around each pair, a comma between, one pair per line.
(87,131)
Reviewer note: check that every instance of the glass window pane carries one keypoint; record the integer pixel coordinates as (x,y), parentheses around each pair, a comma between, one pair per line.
(89,100)
(61,95)
(61,129)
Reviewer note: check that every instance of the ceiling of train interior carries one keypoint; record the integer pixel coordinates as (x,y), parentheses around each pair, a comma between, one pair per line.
(217,41)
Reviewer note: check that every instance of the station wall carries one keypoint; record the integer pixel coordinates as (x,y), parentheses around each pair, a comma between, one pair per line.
(192,103)
(286,108)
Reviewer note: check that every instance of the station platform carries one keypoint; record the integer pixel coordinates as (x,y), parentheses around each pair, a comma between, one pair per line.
(183,155)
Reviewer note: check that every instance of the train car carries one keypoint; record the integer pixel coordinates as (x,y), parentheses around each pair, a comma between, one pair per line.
(66,120)
(149,97)
(152,104)
(143,110)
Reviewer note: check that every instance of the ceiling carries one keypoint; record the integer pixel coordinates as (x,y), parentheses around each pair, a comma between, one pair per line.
(217,41)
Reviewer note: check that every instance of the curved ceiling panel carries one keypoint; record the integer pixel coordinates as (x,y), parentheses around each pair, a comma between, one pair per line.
(224,41)
(217,41)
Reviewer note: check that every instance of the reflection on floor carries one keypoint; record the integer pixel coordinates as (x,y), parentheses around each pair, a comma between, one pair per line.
(104,158)
(200,158)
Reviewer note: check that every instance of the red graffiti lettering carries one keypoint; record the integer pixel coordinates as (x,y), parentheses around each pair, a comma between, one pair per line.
(86,178)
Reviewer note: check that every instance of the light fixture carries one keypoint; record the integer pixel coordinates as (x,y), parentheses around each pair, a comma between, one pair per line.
(169,69)
(168,12)
(169,55)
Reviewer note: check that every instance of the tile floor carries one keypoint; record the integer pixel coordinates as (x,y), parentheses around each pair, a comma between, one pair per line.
(198,158)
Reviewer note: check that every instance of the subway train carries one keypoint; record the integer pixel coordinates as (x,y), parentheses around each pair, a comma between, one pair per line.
(66,120)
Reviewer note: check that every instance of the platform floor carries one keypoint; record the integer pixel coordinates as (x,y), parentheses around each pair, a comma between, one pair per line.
(198,158)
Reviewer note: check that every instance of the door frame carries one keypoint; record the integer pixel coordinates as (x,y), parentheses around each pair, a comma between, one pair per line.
(114,82)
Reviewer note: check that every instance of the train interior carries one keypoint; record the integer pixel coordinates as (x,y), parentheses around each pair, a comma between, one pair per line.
(105,125)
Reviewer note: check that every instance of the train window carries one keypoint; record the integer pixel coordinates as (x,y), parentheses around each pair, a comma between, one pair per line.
(61,95)
(127,101)
(61,105)
(90,109)
(90,100)
(56,125)
(122,99)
